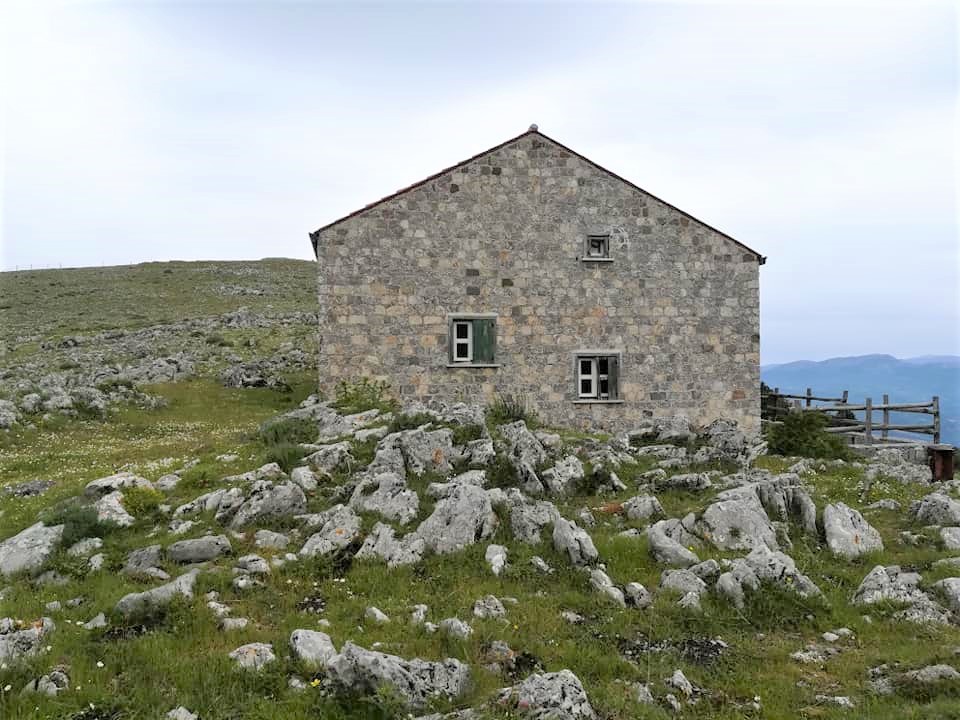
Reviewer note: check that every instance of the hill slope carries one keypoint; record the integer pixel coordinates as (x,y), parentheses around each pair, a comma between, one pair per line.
(410,513)
(909,380)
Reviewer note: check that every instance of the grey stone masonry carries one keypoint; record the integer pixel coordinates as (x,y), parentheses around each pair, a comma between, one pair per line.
(506,236)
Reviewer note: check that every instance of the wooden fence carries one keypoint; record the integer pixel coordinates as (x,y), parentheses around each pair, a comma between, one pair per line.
(843,414)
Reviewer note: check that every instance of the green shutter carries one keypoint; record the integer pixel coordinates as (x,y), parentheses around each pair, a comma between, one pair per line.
(450,336)
(484,341)
(613,376)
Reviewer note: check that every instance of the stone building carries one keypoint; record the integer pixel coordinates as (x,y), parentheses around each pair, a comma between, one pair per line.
(529,269)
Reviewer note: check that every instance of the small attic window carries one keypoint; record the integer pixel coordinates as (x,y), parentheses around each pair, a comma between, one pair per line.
(596,248)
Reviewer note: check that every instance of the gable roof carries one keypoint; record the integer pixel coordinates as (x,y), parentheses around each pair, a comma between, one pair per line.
(315,235)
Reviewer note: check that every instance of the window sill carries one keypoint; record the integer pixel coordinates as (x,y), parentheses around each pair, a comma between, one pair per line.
(596,260)
(473,365)
(598,402)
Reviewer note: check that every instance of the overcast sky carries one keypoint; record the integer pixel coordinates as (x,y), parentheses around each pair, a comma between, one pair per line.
(822,135)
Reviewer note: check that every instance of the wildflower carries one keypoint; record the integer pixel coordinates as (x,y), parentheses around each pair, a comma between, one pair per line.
(7,688)
(315,682)
(99,663)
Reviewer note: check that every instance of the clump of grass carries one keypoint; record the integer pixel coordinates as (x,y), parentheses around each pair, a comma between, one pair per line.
(288,431)
(410,422)
(462,434)
(286,455)
(501,473)
(79,521)
(218,340)
(114,384)
(509,407)
(802,433)
(355,396)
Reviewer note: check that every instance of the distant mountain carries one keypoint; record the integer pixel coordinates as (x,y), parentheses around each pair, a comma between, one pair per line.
(904,380)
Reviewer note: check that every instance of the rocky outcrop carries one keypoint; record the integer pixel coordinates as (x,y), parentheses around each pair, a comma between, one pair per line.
(464,517)
(573,542)
(339,527)
(387,495)
(15,645)
(268,501)
(151,601)
(549,696)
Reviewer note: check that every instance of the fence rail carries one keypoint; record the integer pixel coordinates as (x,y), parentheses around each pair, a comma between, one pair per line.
(842,414)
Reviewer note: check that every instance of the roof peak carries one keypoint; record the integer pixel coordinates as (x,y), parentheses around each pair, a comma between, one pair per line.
(533,128)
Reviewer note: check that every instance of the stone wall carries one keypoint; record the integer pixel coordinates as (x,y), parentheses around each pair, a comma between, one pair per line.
(504,234)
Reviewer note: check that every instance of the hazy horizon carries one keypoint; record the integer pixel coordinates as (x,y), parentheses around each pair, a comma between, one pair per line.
(146,132)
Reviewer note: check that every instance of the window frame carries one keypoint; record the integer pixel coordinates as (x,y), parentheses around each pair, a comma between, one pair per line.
(614,396)
(468,319)
(588,242)
(458,341)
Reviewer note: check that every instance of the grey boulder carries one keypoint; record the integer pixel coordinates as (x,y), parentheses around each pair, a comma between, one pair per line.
(159,597)
(199,549)
(848,535)
(29,549)
(18,644)
(268,501)
(312,648)
(462,518)
(574,542)
(339,527)
(253,656)
(386,494)
(358,671)
(550,696)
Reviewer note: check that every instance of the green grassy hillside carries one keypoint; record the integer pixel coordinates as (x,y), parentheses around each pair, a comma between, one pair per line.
(143,667)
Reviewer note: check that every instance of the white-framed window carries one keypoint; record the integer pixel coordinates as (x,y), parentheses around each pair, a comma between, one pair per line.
(463,341)
(598,376)
(472,340)
(596,247)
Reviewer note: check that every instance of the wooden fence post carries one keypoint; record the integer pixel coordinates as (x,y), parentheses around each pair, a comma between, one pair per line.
(868,420)
(936,419)
(809,394)
(886,416)
(845,395)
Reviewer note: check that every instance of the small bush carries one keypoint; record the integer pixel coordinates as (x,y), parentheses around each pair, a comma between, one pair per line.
(114,384)
(462,434)
(501,473)
(410,422)
(79,521)
(288,431)
(141,501)
(286,455)
(218,340)
(363,394)
(509,408)
(802,433)
(593,479)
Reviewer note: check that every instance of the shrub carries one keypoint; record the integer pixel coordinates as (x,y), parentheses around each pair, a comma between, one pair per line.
(113,384)
(501,473)
(286,455)
(802,433)
(509,408)
(462,434)
(363,394)
(288,431)
(79,521)
(410,422)
(218,340)
(141,501)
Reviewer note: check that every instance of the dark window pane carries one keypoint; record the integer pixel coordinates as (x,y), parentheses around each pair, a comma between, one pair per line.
(585,386)
(462,330)
(585,367)
(602,365)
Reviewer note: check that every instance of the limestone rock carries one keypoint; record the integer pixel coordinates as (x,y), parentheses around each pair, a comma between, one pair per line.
(456,628)
(528,517)
(848,534)
(16,645)
(330,458)
(602,583)
(253,656)
(270,540)
(312,648)
(28,550)
(113,483)
(522,445)
(780,569)
(462,518)
(268,502)
(563,477)
(737,522)
(363,672)
(642,507)
(936,509)
(159,597)
(496,557)
(549,696)
(574,542)
(381,543)
(427,450)
(340,526)
(664,546)
(110,509)
(199,549)
(489,606)
(388,495)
